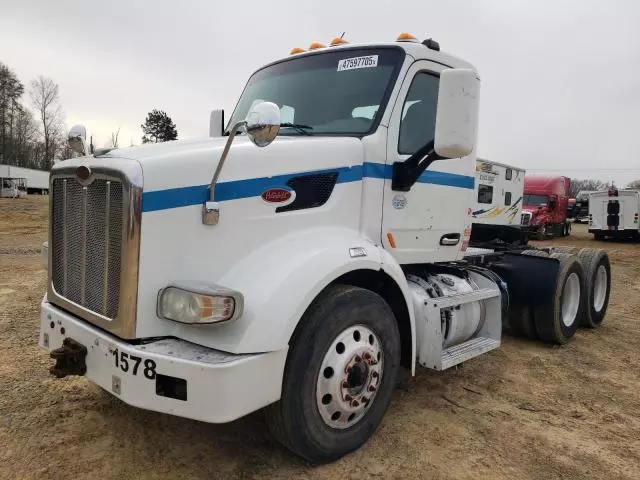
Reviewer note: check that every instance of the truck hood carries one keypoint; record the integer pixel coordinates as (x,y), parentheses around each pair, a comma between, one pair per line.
(191,163)
(532,210)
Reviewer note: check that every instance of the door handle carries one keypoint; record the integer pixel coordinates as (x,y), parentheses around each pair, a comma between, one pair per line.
(450,239)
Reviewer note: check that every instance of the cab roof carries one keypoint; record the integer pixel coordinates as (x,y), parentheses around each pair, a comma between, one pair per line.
(416,50)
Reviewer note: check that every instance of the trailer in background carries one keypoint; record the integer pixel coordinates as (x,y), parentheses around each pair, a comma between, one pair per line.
(26,180)
(498,193)
(614,213)
(497,205)
(13,187)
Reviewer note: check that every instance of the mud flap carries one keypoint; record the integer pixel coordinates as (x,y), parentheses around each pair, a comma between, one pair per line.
(531,281)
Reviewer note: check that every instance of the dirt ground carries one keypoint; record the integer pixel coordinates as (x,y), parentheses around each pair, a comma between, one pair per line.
(523,411)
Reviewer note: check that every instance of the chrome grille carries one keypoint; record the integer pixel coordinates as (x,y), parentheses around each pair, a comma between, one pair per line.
(87,234)
(525,218)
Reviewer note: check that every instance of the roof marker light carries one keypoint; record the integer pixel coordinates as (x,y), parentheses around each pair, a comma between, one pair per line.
(406,37)
(316,45)
(296,50)
(338,41)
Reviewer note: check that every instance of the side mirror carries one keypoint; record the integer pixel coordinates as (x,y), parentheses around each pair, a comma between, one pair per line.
(216,123)
(77,139)
(263,123)
(457,114)
(262,126)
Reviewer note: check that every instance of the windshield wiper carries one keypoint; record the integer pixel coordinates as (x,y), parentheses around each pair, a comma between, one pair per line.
(303,129)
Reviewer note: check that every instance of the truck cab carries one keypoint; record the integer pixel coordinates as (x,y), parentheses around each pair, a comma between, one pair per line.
(299,257)
(545,205)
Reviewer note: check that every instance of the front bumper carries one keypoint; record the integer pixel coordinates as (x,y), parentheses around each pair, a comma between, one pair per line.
(173,376)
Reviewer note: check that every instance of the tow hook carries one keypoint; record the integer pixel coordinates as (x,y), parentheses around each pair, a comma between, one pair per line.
(70,359)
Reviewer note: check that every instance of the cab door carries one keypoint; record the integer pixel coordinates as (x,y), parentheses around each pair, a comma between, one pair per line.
(427,223)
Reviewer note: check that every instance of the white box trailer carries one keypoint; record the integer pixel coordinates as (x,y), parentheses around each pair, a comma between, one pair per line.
(498,193)
(614,213)
(33,181)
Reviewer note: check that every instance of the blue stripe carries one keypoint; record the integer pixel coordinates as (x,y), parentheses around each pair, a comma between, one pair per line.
(254,187)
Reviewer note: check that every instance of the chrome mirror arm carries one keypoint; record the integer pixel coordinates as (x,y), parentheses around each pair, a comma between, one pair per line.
(210,208)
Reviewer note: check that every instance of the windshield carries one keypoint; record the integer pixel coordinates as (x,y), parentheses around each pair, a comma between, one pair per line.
(536,200)
(340,92)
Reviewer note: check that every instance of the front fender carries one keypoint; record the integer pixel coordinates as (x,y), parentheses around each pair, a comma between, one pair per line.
(280,280)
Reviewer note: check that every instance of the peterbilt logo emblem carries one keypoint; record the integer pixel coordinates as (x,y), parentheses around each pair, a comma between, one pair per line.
(276,195)
(83,173)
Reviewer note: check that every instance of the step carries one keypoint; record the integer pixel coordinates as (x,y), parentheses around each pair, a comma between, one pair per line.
(469,349)
(462,298)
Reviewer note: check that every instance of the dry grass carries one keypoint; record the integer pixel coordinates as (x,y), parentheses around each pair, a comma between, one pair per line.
(523,411)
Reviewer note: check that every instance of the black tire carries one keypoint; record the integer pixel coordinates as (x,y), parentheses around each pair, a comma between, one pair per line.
(541,233)
(521,323)
(570,250)
(535,253)
(548,318)
(592,259)
(295,420)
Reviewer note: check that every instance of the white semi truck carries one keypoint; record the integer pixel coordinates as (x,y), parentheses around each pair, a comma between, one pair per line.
(212,278)
(614,213)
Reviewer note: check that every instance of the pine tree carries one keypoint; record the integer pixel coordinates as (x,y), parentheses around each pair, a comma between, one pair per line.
(158,127)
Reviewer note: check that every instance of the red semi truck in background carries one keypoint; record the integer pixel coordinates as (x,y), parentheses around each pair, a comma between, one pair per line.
(544,206)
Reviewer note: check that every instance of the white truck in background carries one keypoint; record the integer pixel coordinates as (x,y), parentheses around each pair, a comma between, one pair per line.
(614,213)
(498,193)
(20,181)
(212,278)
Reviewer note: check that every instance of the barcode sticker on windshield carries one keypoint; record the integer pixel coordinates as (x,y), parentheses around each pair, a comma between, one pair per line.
(358,62)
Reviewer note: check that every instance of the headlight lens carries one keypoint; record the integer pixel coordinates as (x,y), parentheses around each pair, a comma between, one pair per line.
(186,306)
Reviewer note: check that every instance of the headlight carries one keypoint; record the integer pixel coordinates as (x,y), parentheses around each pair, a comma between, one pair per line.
(44,251)
(199,304)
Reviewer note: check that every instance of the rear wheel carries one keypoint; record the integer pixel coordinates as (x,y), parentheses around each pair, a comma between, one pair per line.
(571,250)
(598,285)
(535,253)
(558,321)
(521,323)
(340,375)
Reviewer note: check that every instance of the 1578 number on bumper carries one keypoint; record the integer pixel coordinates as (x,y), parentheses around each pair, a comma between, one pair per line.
(131,364)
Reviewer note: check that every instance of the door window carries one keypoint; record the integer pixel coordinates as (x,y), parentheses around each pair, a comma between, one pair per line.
(507,198)
(418,124)
(485,193)
(508,174)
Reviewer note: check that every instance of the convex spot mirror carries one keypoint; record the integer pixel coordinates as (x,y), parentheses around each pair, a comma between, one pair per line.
(263,123)
(457,114)
(77,139)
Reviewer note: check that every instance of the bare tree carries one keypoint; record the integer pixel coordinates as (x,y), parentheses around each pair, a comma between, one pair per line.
(25,138)
(114,138)
(45,98)
(635,185)
(589,184)
(11,90)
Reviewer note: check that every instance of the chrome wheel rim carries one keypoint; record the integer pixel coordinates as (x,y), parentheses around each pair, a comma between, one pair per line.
(349,377)
(571,300)
(600,288)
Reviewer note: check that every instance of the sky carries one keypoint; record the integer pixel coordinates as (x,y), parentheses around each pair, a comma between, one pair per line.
(560,79)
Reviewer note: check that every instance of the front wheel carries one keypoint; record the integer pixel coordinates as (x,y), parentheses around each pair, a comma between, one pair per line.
(340,374)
